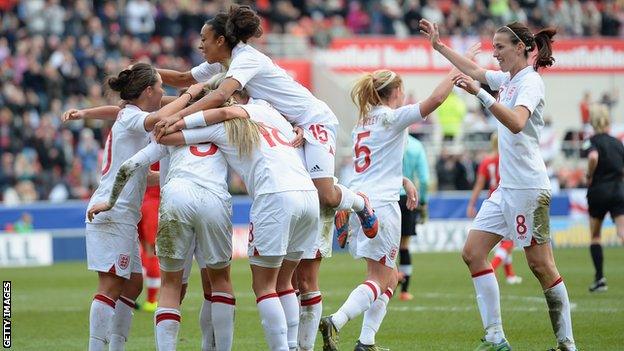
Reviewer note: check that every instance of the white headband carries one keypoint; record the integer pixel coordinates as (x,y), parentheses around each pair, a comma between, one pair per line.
(392,76)
(527,47)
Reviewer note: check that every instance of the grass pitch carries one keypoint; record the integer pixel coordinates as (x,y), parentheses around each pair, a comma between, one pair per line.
(51,306)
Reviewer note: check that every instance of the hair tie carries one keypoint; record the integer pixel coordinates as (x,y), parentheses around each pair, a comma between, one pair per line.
(392,76)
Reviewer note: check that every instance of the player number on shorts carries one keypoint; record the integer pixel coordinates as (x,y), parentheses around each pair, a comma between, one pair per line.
(211,151)
(521,228)
(362,150)
(272,136)
(319,132)
(108,148)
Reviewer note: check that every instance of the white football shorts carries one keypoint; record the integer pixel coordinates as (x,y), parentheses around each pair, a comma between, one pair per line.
(521,215)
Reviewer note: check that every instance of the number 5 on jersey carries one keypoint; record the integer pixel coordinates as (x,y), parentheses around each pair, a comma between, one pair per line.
(362,165)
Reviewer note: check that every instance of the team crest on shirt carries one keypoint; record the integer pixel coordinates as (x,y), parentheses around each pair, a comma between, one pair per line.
(123,261)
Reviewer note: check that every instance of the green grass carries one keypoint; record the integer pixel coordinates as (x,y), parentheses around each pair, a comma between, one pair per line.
(51,307)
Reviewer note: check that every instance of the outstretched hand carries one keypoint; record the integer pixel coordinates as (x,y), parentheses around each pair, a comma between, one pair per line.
(430,30)
(72,115)
(97,208)
(473,51)
(468,84)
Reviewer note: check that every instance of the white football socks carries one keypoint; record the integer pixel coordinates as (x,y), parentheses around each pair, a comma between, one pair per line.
(488,300)
(559,310)
(223,305)
(273,322)
(373,318)
(167,325)
(309,318)
(360,299)
(122,320)
(100,320)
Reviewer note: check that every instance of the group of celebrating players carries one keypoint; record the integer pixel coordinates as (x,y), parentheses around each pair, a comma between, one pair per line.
(241,110)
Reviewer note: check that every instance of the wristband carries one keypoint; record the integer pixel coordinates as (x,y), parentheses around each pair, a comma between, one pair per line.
(189,94)
(486,99)
(195,120)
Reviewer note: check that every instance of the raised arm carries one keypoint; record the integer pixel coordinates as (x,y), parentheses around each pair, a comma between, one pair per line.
(145,157)
(101,112)
(176,78)
(464,64)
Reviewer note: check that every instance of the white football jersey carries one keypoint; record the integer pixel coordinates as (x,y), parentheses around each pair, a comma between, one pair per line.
(274,166)
(378,152)
(521,164)
(202,164)
(265,80)
(125,139)
(204,71)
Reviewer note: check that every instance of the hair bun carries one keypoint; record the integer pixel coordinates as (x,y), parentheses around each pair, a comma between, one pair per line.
(119,82)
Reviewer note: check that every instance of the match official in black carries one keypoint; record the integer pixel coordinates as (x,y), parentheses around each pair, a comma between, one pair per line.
(605,192)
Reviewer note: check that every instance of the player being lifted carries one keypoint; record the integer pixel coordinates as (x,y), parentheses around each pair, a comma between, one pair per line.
(519,208)
(379,138)
(255,140)
(224,40)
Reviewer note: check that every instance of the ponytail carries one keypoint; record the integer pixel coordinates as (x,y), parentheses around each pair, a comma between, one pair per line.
(543,41)
(372,88)
(244,133)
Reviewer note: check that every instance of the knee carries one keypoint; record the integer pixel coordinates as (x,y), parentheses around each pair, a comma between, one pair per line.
(541,268)
(469,256)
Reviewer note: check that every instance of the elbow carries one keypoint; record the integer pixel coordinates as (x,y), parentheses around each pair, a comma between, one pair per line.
(516,128)
(221,97)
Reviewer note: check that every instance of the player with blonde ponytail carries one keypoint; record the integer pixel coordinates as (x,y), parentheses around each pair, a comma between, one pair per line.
(379,138)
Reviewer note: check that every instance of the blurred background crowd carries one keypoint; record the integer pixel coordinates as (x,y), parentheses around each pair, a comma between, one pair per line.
(54,55)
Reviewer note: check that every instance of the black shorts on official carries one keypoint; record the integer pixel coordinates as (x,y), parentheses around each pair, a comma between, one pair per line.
(408,218)
(606,197)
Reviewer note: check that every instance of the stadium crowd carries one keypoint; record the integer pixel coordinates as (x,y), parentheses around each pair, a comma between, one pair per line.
(54,54)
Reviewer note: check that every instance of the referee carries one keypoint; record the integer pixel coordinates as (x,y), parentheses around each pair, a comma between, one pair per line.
(605,192)
(416,169)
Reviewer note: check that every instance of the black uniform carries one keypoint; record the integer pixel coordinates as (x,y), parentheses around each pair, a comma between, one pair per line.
(606,192)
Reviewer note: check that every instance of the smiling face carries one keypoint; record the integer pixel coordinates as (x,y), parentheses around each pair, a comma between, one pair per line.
(507,53)
(211,46)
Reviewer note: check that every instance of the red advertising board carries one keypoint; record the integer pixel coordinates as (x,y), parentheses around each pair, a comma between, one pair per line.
(587,55)
(300,70)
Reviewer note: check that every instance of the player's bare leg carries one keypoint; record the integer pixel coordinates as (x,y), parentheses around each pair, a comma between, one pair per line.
(103,309)
(475,253)
(271,312)
(220,332)
(167,316)
(542,263)
(289,301)
(311,302)
(124,308)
